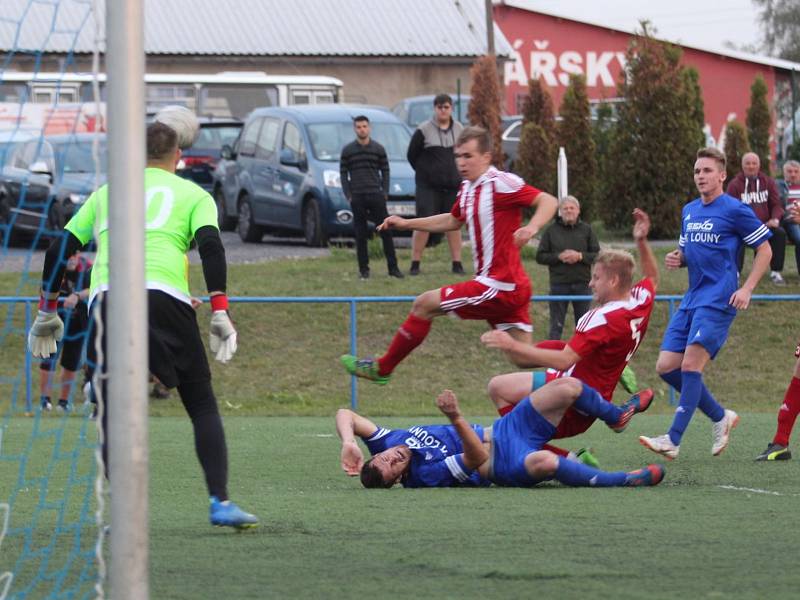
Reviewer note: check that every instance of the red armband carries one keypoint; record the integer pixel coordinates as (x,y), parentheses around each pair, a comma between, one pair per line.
(48,305)
(219,302)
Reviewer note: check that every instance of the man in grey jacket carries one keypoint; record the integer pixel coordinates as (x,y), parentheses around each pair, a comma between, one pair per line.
(568,247)
(430,153)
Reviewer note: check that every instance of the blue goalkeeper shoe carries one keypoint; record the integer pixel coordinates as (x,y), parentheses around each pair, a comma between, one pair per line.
(648,476)
(638,403)
(366,368)
(227,514)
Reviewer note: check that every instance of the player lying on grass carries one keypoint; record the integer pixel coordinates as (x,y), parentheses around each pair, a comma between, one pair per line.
(604,341)
(509,453)
(490,202)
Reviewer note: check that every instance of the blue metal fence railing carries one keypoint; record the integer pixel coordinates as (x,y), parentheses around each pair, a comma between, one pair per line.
(353,301)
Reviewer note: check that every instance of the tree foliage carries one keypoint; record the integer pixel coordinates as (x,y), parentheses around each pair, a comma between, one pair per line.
(537,152)
(694,100)
(759,121)
(780,24)
(736,146)
(575,135)
(603,130)
(484,108)
(656,137)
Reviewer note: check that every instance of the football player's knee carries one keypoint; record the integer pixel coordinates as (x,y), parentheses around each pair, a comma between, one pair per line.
(425,304)
(495,389)
(542,463)
(571,386)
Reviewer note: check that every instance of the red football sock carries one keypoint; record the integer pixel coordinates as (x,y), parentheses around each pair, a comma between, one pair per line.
(504,410)
(410,335)
(556,450)
(788,413)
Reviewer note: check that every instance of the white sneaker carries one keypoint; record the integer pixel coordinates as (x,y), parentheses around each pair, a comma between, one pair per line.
(777,278)
(721,431)
(660,445)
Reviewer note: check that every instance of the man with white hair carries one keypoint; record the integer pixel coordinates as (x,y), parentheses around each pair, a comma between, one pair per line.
(568,247)
(760,192)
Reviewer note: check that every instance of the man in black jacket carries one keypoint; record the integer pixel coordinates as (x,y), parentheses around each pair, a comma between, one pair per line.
(568,247)
(430,153)
(364,170)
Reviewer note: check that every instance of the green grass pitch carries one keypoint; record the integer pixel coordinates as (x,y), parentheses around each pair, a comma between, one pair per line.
(722,527)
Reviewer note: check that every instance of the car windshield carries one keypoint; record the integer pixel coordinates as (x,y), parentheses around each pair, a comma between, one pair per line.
(328,139)
(76,157)
(213,138)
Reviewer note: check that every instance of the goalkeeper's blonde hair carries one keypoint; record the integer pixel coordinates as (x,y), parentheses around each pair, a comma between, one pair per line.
(618,262)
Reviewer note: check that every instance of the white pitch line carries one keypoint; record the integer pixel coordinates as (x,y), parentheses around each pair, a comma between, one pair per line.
(752,490)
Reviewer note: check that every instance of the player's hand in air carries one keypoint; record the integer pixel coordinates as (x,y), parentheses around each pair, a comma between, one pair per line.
(497,339)
(352,458)
(641,224)
(46,330)
(740,299)
(222,336)
(523,235)
(392,222)
(448,404)
(673,260)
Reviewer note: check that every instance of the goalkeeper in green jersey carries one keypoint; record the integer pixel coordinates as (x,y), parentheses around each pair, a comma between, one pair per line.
(177,211)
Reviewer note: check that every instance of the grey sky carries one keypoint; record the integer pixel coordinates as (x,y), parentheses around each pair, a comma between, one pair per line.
(709,23)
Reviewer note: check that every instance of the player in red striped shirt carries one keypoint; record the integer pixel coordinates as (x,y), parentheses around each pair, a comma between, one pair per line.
(490,202)
(605,338)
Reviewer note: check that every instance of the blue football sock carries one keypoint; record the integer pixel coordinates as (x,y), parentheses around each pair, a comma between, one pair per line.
(592,403)
(690,397)
(577,474)
(708,404)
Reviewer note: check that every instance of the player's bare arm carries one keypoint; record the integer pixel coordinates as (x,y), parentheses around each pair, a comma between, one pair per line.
(348,426)
(674,260)
(647,260)
(740,299)
(546,206)
(433,224)
(528,356)
(475,454)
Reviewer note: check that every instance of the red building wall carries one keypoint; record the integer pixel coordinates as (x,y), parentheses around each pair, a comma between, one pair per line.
(552,48)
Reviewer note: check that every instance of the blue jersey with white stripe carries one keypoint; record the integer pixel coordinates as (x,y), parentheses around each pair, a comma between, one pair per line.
(437,455)
(711,236)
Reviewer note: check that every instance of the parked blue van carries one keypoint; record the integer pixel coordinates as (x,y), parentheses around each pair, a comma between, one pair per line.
(282,174)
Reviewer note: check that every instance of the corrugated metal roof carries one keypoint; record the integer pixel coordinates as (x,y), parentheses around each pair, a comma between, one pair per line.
(432,28)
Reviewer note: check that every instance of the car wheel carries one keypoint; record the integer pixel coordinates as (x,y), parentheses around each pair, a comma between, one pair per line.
(248,230)
(224,220)
(312,224)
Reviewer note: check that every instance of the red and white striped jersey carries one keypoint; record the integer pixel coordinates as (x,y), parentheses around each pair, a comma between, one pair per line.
(607,337)
(492,207)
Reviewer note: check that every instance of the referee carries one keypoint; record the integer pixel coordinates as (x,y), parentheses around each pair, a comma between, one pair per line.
(177,211)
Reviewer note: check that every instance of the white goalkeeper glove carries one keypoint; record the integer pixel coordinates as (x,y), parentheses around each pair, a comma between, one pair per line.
(222,336)
(47,329)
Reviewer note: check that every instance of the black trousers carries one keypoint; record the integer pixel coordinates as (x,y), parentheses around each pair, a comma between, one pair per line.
(178,358)
(559,308)
(778,244)
(366,207)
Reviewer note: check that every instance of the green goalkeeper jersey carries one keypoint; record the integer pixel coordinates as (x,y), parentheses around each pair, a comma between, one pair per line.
(175,208)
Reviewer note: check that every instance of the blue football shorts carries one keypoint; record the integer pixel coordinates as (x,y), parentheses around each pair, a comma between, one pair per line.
(704,325)
(514,436)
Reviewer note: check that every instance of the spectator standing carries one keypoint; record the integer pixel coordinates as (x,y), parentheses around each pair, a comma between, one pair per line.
(760,192)
(74,312)
(789,188)
(364,170)
(568,247)
(431,155)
